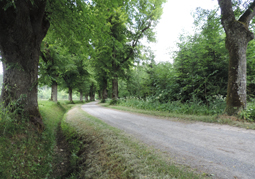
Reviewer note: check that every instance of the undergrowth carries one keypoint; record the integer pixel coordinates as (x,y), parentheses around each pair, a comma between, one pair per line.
(249,113)
(193,110)
(193,106)
(24,152)
(101,151)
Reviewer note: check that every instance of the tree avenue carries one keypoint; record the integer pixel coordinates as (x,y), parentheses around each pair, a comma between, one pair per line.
(237,37)
(23,25)
(92,46)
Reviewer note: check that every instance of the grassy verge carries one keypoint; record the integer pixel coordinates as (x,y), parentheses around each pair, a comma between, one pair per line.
(101,151)
(25,153)
(219,119)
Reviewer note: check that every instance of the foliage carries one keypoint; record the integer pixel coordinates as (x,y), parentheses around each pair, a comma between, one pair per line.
(250,69)
(201,61)
(198,75)
(1,81)
(249,113)
(115,51)
(193,106)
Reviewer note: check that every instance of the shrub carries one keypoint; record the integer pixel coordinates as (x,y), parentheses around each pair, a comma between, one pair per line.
(193,106)
(249,113)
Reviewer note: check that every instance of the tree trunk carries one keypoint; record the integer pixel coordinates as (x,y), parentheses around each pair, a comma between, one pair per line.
(104,94)
(115,88)
(236,44)
(104,90)
(99,95)
(91,97)
(92,93)
(237,38)
(81,96)
(22,29)
(54,91)
(86,97)
(51,94)
(70,97)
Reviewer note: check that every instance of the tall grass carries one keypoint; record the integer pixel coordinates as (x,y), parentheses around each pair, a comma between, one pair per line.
(193,110)
(24,152)
(193,106)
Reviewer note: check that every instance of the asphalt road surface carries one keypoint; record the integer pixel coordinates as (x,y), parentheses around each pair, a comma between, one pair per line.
(224,151)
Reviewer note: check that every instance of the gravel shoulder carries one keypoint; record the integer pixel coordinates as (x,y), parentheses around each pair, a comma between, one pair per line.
(220,150)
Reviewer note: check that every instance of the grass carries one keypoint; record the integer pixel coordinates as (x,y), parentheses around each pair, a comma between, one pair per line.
(24,152)
(193,106)
(95,149)
(102,151)
(134,106)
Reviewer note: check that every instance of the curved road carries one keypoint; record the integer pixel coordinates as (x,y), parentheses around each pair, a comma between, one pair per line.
(224,151)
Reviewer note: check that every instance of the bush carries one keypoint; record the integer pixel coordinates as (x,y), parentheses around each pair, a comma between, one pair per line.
(249,113)
(194,106)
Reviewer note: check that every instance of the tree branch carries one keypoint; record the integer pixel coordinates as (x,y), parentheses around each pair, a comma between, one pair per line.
(136,41)
(226,12)
(248,15)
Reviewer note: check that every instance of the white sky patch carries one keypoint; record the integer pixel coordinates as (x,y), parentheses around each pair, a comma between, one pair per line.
(175,20)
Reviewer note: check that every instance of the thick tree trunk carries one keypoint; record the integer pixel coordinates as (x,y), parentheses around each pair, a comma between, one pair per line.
(236,94)
(22,29)
(70,97)
(81,96)
(54,91)
(237,38)
(115,88)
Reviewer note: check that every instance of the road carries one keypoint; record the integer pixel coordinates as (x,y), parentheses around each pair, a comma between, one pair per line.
(224,151)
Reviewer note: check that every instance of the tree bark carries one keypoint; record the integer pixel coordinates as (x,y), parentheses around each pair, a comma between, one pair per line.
(104,93)
(51,95)
(54,91)
(115,88)
(99,95)
(81,96)
(70,97)
(92,93)
(86,97)
(237,38)
(23,28)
